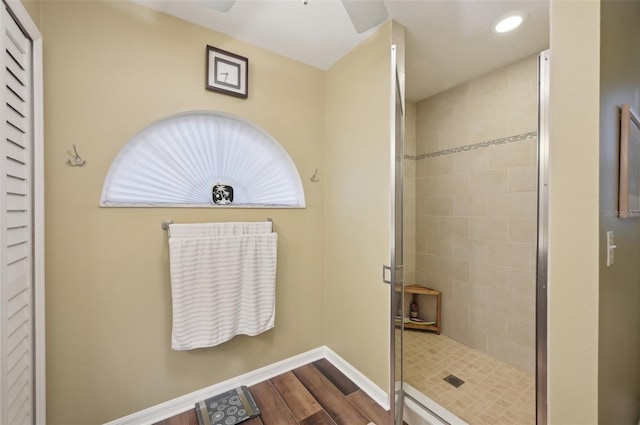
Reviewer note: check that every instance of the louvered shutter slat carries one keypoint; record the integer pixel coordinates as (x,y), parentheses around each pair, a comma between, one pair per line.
(15,169)
(16,382)
(15,152)
(17,219)
(16,139)
(19,396)
(16,102)
(16,203)
(16,35)
(16,337)
(14,185)
(15,119)
(16,71)
(18,353)
(14,85)
(14,288)
(19,319)
(17,252)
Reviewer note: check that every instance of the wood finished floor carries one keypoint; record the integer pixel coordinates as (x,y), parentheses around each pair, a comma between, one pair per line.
(314,394)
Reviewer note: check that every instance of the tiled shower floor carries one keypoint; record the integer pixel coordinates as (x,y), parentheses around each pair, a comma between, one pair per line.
(494,392)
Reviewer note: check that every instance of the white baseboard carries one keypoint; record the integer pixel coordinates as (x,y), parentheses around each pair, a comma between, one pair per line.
(379,395)
(181,404)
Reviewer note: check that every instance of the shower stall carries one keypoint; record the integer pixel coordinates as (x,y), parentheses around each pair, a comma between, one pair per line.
(473,185)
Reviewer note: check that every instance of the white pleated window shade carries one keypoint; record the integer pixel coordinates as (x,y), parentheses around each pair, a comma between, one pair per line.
(177,161)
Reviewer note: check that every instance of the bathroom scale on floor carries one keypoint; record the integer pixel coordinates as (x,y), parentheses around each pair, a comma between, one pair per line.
(228,408)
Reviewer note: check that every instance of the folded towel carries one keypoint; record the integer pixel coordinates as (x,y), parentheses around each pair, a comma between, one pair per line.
(221,286)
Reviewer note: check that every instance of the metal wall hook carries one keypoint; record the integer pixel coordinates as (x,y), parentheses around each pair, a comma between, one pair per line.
(315,178)
(76,161)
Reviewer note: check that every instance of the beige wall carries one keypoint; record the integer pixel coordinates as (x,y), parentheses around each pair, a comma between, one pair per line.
(357,215)
(108,304)
(111,68)
(619,344)
(33,8)
(574,209)
(476,211)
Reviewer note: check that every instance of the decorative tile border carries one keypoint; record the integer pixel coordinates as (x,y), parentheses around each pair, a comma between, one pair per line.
(503,141)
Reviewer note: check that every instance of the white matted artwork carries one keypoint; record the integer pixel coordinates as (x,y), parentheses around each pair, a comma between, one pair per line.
(227,73)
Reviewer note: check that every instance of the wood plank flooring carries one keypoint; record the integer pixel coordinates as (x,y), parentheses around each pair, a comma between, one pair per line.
(313,394)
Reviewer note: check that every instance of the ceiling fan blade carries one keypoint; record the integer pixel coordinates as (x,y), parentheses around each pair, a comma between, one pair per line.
(219,5)
(365,14)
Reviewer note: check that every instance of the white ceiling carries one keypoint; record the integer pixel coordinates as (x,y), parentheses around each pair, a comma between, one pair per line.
(448,42)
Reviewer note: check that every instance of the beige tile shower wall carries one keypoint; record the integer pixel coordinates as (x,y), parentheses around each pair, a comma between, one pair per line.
(476,211)
(409,195)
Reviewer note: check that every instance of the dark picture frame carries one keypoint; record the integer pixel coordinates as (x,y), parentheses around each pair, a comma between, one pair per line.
(227,73)
(629,196)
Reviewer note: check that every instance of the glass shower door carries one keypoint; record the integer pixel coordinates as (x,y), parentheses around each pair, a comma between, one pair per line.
(428,398)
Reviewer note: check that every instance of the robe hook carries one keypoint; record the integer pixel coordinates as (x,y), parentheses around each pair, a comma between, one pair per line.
(76,161)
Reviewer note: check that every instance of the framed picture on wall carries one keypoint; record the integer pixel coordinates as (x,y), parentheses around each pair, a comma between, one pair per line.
(629,197)
(227,73)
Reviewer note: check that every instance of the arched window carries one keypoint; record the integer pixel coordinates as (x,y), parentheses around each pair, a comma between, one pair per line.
(200,159)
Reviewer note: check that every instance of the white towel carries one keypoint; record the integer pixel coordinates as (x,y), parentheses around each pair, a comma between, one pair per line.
(221,286)
(203,230)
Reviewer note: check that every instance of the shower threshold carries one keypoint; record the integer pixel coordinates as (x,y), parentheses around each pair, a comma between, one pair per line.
(421,410)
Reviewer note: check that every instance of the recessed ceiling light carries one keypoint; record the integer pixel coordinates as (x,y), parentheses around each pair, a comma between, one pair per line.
(509,22)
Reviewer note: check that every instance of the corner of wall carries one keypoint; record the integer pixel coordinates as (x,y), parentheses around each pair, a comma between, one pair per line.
(33,8)
(357,211)
(574,174)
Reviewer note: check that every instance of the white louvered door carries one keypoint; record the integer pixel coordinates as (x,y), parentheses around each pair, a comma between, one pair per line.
(16,229)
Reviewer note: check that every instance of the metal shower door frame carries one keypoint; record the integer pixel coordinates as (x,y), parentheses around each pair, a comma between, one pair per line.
(542,268)
(395,229)
(543,161)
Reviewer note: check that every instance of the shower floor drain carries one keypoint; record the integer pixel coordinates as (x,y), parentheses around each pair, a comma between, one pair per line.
(454,380)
